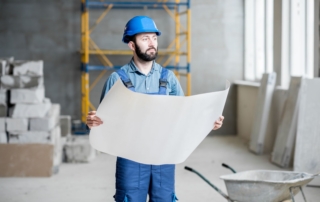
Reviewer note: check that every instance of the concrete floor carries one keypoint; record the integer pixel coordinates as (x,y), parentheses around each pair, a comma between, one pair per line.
(95,181)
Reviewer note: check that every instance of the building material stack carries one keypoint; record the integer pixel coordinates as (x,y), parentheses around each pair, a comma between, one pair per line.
(4,64)
(77,148)
(32,120)
(65,125)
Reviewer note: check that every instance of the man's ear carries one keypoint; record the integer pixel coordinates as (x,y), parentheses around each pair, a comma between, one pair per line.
(131,45)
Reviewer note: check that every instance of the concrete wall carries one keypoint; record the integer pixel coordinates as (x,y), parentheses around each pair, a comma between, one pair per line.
(218,50)
(50,30)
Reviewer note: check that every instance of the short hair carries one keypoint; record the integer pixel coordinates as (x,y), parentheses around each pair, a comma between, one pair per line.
(132,38)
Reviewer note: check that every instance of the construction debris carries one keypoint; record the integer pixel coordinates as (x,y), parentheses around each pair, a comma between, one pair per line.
(28,121)
(78,150)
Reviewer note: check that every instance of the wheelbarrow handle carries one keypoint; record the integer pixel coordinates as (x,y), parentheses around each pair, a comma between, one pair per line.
(188,168)
(207,181)
(230,168)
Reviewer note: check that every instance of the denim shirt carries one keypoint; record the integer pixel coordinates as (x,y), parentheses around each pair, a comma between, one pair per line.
(145,83)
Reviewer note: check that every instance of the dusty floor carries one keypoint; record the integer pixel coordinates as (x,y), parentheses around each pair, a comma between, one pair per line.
(95,181)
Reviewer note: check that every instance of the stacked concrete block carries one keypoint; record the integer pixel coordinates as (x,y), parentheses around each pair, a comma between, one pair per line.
(32,118)
(3,124)
(3,134)
(17,124)
(48,122)
(31,96)
(3,65)
(3,103)
(57,152)
(65,124)
(3,96)
(12,82)
(44,137)
(3,138)
(79,150)
(25,110)
(31,68)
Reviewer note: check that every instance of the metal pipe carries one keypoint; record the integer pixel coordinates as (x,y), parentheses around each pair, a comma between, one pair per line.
(304,197)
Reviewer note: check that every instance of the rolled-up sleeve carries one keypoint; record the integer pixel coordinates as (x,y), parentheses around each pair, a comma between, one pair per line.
(175,87)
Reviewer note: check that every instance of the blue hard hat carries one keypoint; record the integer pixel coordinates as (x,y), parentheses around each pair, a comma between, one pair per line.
(139,24)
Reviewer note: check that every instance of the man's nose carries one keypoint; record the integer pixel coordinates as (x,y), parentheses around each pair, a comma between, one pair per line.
(151,43)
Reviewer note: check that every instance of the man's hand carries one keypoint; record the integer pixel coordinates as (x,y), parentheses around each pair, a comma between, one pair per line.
(93,120)
(218,123)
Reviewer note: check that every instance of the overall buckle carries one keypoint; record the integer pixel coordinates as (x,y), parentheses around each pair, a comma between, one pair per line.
(163,83)
(128,84)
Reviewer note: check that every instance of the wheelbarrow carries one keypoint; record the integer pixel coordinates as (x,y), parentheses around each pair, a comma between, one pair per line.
(261,185)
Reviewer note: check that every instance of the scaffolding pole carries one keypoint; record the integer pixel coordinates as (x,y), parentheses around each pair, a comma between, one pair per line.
(173,51)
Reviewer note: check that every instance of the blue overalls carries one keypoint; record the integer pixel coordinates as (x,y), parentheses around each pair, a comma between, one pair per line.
(134,181)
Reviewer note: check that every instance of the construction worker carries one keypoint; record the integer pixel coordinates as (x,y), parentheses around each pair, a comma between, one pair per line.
(134,181)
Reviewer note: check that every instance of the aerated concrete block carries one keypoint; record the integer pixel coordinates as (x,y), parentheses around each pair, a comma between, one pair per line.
(31,68)
(3,65)
(3,110)
(45,137)
(78,149)
(12,82)
(3,96)
(17,124)
(63,141)
(3,138)
(286,134)
(307,147)
(3,103)
(30,137)
(65,124)
(47,123)
(57,153)
(31,110)
(259,129)
(30,96)
(2,124)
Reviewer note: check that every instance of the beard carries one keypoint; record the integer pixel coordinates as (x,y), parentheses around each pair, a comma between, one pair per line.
(145,56)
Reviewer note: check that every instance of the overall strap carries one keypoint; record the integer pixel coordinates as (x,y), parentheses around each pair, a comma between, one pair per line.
(125,79)
(163,82)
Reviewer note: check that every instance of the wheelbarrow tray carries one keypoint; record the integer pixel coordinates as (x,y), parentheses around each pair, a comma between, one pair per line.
(264,185)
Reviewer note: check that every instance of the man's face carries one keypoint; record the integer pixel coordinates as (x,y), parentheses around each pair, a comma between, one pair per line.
(146,46)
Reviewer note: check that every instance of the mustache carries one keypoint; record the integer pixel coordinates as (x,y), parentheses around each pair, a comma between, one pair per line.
(151,48)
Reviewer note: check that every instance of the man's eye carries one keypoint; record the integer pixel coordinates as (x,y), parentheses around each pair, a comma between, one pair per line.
(144,39)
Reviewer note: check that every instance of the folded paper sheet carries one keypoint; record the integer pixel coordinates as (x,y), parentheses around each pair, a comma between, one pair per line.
(154,129)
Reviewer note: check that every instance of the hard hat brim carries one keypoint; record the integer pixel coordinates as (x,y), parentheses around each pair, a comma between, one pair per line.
(126,40)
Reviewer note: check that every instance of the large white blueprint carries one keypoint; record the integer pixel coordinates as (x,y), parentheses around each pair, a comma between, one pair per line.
(154,129)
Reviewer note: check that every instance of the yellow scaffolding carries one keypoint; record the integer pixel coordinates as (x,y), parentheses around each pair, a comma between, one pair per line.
(173,51)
